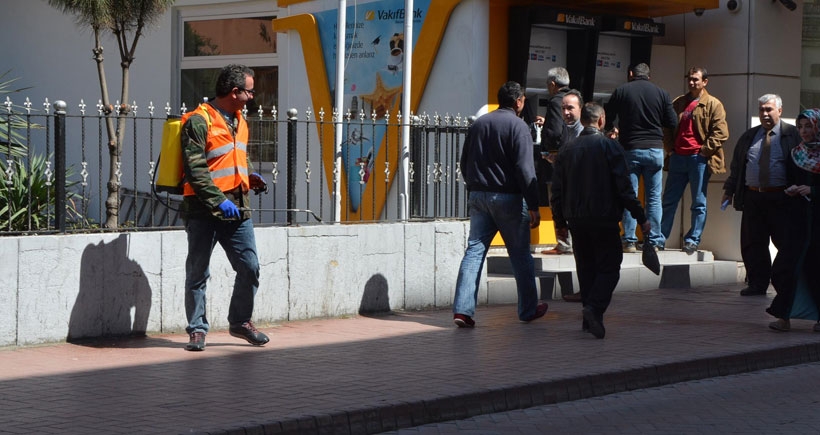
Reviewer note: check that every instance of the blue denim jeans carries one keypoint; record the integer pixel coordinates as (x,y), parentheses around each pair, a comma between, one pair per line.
(685,170)
(646,163)
(238,241)
(490,213)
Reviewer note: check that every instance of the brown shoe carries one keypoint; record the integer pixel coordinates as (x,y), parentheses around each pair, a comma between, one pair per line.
(575,297)
(556,251)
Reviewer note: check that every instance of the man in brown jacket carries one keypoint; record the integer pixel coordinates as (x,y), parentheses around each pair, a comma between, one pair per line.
(693,153)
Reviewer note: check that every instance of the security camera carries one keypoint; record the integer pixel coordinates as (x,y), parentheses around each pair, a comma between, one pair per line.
(733,5)
(699,12)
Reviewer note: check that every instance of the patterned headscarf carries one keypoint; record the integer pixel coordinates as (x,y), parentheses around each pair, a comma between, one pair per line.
(807,155)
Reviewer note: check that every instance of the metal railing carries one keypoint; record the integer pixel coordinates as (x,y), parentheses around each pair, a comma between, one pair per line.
(55,168)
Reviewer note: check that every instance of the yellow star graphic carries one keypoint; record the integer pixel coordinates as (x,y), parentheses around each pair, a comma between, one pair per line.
(382,98)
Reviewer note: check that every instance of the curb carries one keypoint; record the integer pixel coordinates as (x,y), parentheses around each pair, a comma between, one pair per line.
(404,415)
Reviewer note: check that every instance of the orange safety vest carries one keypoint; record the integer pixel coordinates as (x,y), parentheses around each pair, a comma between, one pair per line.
(226,154)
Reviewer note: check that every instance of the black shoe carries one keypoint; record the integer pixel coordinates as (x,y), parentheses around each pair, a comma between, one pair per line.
(749,291)
(596,326)
(690,248)
(196,342)
(247,331)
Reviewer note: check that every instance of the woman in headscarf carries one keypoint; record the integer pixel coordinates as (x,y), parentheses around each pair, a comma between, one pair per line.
(804,302)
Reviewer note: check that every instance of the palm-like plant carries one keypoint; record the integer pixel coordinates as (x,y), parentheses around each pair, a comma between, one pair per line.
(125,20)
(11,141)
(27,201)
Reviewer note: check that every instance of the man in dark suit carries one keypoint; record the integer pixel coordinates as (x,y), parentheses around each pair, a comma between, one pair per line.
(760,171)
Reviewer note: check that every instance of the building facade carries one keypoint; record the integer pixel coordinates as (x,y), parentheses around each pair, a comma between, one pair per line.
(463,51)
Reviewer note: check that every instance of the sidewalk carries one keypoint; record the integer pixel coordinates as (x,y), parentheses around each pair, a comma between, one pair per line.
(367,375)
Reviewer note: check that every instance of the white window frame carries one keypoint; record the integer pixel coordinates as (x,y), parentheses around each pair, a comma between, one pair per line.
(193,10)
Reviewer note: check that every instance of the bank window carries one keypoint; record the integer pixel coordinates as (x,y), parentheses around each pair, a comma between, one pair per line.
(212,37)
(232,36)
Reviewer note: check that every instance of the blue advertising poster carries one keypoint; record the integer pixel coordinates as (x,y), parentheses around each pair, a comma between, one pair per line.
(374,64)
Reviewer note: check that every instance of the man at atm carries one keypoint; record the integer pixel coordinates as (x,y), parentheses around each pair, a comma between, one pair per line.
(642,110)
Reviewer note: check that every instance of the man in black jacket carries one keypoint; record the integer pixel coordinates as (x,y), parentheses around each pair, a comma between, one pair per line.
(553,131)
(590,189)
(643,111)
(758,191)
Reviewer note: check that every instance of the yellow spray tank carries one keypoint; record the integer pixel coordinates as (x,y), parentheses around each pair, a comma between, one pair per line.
(169,172)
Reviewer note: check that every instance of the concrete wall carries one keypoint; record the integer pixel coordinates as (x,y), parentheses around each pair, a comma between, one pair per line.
(87,285)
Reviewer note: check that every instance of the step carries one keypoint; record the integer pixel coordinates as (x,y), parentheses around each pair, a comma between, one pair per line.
(556,276)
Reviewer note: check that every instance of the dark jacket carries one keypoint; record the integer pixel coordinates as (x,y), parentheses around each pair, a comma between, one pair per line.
(643,111)
(591,182)
(553,134)
(735,184)
(497,156)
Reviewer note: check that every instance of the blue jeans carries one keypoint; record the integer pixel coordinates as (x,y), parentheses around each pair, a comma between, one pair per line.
(238,241)
(490,213)
(646,163)
(685,170)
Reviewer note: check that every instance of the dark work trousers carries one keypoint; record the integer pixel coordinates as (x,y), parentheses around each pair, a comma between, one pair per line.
(598,255)
(768,215)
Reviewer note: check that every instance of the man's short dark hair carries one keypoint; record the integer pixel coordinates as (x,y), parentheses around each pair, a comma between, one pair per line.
(698,69)
(509,93)
(591,113)
(232,76)
(639,70)
(577,93)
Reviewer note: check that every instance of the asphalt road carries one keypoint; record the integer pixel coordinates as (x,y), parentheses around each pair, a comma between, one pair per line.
(784,400)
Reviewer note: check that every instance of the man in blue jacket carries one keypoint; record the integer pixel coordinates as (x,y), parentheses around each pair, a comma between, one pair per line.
(497,165)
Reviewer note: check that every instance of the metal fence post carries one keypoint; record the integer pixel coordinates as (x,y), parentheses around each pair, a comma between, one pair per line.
(291,164)
(59,165)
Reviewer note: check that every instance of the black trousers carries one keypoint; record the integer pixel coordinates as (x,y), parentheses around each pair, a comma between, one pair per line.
(543,177)
(769,215)
(598,255)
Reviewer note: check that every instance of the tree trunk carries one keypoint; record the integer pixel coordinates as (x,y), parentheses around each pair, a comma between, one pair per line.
(112,202)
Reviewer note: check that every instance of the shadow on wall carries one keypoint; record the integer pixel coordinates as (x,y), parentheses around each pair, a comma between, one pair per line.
(375,300)
(113,288)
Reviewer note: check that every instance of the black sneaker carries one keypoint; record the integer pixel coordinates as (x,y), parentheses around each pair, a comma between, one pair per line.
(690,248)
(248,332)
(196,342)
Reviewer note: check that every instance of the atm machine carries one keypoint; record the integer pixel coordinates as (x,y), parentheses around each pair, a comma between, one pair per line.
(623,41)
(541,38)
(596,51)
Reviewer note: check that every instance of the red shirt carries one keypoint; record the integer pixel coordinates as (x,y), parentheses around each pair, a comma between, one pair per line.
(686,143)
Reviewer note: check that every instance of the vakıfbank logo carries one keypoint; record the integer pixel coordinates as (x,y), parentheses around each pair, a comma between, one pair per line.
(562,18)
(370,15)
(627,25)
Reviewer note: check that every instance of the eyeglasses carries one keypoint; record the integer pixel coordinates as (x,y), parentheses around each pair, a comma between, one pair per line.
(249,91)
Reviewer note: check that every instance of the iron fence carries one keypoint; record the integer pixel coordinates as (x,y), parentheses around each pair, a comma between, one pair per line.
(56,175)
